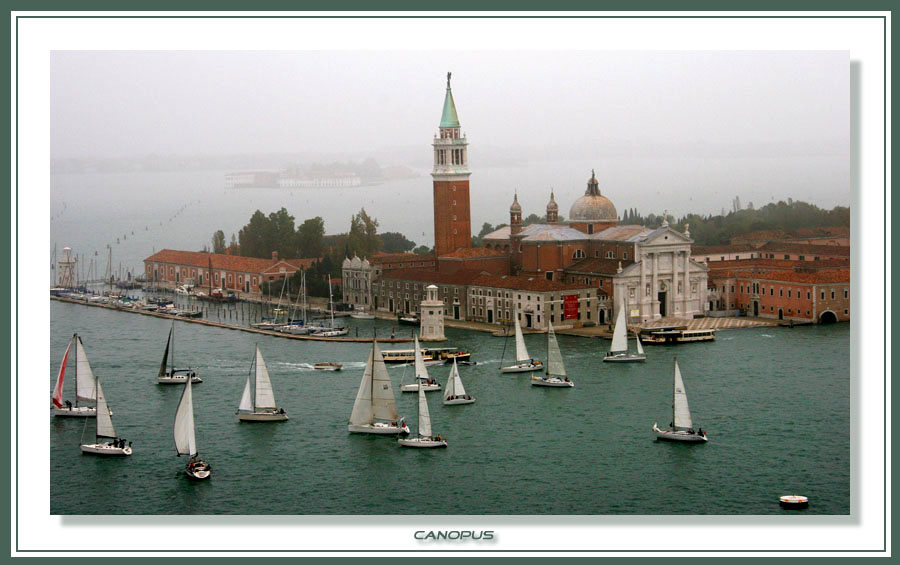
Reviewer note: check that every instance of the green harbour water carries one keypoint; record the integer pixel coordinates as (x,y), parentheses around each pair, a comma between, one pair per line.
(774,401)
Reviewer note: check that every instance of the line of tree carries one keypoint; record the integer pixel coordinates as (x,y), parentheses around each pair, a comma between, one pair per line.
(719,229)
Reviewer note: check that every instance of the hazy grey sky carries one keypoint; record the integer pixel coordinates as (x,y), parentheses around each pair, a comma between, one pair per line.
(137,102)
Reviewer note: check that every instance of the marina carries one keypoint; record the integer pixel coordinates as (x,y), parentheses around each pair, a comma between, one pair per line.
(755,452)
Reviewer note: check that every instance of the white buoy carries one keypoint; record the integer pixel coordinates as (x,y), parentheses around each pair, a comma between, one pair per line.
(793,501)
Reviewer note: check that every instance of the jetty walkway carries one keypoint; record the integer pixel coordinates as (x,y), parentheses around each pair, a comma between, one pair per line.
(233,326)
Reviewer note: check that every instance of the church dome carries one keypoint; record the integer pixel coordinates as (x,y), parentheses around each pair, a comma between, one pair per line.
(552,205)
(592,206)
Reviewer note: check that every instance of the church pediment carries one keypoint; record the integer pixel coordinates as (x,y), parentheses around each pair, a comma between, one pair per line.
(666,236)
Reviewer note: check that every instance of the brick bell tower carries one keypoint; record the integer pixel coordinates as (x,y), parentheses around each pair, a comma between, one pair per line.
(452,226)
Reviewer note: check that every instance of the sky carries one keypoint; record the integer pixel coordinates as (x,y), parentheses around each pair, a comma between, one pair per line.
(706,112)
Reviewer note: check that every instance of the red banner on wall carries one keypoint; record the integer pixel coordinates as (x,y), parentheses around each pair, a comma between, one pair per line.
(570,306)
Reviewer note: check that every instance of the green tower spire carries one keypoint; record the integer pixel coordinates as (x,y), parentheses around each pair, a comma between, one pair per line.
(449,119)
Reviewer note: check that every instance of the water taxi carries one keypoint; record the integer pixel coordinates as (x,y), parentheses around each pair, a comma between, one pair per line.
(429,355)
(675,335)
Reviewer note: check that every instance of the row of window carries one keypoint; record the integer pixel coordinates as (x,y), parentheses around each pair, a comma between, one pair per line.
(758,289)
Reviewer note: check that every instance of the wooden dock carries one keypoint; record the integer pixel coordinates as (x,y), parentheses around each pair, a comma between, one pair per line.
(232,326)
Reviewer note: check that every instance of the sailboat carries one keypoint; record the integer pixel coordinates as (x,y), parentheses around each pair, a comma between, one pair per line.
(262,407)
(174,376)
(423,427)
(185,440)
(84,384)
(301,326)
(273,323)
(682,425)
(455,393)
(555,374)
(106,441)
(421,379)
(375,410)
(618,351)
(524,362)
(331,331)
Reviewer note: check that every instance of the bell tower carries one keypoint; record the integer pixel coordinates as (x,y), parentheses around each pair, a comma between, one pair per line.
(452,224)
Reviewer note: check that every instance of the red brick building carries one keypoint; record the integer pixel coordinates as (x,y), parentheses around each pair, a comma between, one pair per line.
(242,274)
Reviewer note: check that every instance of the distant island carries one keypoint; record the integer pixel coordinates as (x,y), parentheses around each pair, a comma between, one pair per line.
(319,175)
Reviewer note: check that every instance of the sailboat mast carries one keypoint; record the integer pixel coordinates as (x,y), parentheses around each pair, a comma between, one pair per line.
(75,339)
(172,371)
(330,302)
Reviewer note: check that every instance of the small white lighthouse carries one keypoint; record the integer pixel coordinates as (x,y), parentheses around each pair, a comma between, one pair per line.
(432,316)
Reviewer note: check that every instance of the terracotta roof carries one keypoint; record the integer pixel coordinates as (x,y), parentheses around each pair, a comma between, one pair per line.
(533,284)
(381,258)
(834,250)
(223,262)
(628,233)
(804,277)
(474,253)
(774,235)
(721,249)
(776,264)
(598,265)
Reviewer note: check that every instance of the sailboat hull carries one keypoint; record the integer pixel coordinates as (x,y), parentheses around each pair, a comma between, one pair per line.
(551,381)
(105,449)
(422,442)
(678,435)
(415,388)
(624,358)
(262,417)
(76,412)
(460,400)
(523,368)
(377,428)
(177,380)
(362,316)
(198,473)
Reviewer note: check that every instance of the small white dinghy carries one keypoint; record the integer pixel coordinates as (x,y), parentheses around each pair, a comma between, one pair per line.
(682,427)
(524,362)
(555,375)
(422,379)
(618,350)
(173,376)
(106,442)
(84,385)
(423,428)
(375,410)
(185,440)
(456,393)
(262,407)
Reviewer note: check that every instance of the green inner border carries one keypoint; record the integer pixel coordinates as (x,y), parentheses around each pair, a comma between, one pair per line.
(464,5)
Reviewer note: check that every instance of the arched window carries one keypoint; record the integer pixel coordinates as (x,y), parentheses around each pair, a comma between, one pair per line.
(579,254)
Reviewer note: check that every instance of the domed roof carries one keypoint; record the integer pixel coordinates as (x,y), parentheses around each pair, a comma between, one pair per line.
(592,206)
(515,207)
(552,205)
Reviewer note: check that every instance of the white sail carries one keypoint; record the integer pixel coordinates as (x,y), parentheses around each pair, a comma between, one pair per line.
(265,397)
(84,376)
(555,366)
(454,383)
(362,409)
(521,351)
(246,405)
(60,378)
(383,404)
(620,339)
(185,442)
(681,413)
(640,348)
(424,416)
(104,421)
(421,370)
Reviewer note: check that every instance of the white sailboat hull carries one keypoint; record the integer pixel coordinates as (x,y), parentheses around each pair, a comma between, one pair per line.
(362,316)
(415,388)
(76,412)
(176,380)
(262,417)
(332,333)
(624,357)
(458,400)
(202,473)
(422,442)
(679,435)
(105,449)
(523,367)
(377,428)
(551,381)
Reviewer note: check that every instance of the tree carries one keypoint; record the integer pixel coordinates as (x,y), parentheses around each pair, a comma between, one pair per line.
(233,246)
(256,238)
(394,242)
(423,250)
(363,238)
(218,242)
(282,230)
(310,238)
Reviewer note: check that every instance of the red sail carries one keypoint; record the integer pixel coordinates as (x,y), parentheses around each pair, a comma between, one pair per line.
(57,392)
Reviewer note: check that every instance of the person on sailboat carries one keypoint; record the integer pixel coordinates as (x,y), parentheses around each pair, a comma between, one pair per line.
(69,404)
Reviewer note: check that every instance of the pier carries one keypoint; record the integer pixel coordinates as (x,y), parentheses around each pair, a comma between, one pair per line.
(233,326)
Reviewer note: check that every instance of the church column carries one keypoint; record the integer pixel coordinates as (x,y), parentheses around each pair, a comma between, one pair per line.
(687,281)
(655,290)
(643,300)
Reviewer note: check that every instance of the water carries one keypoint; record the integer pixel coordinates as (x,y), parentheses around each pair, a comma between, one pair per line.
(775,402)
